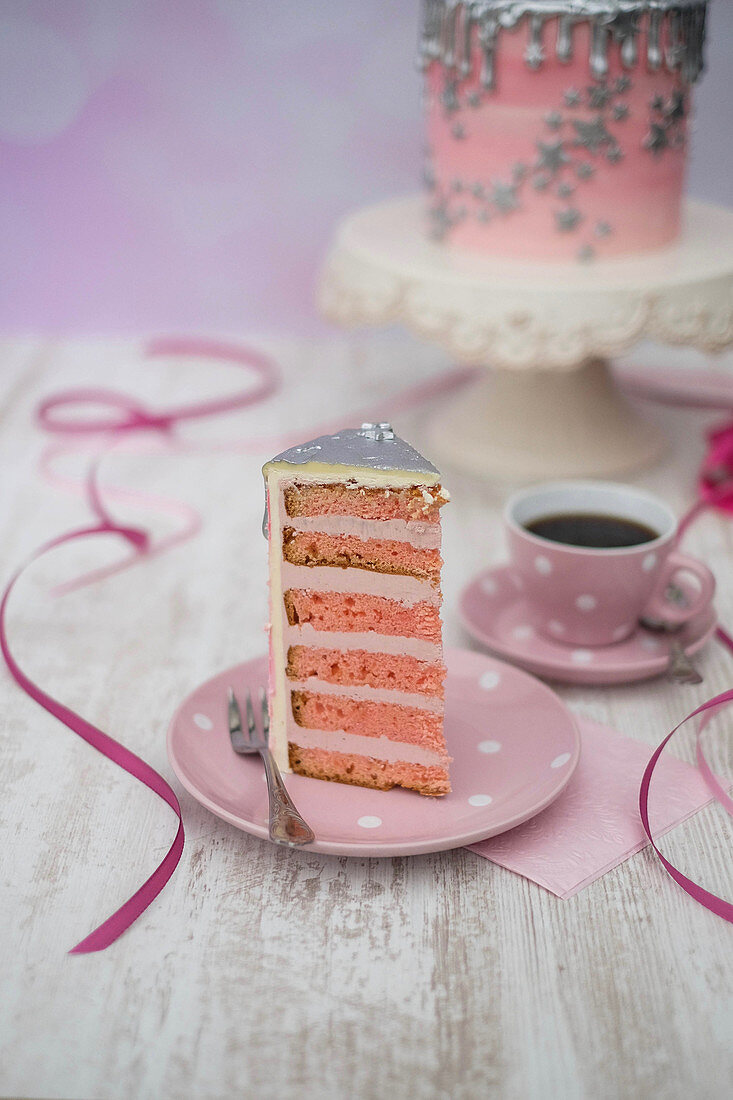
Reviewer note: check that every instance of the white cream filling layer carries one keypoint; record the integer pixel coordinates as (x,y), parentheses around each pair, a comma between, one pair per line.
(371,642)
(329,578)
(369,694)
(425,536)
(378,748)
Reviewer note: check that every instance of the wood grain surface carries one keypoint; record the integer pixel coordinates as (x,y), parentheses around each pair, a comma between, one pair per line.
(261,972)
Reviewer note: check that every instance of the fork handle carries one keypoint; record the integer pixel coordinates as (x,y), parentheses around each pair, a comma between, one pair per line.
(680,668)
(286,825)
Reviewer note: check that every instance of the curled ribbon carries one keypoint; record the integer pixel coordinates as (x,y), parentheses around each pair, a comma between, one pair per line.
(715,490)
(125,415)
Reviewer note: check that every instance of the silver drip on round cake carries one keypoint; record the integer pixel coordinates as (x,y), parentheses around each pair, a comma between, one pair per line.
(449,26)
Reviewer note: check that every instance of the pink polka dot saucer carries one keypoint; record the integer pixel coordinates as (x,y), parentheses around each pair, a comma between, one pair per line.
(494,611)
(514,745)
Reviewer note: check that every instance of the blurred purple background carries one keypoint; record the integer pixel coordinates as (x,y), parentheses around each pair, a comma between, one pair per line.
(180,164)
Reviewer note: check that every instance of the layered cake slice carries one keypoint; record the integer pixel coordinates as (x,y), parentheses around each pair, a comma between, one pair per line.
(356,661)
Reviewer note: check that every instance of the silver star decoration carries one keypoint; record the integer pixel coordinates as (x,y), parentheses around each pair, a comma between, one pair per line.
(458,132)
(675,110)
(584,170)
(598,96)
(656,103)
(565,190)
(504,196)
(541,182)
(553,120)
(623,84)
(614,154)
(603,229)
(620,111)
(457,186)
(483,215)
(474,99)
(428,176)
(519,171)
(552,155)
(449,97)
(586,253)
(478,190)
(656,141)
(568,219)
(572,97)
(592,135)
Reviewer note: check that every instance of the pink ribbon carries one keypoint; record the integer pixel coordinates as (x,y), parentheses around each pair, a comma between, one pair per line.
(114,926)
(125,415)
(715,490)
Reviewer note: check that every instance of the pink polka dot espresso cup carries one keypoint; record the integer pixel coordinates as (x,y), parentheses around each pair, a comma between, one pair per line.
(593,557)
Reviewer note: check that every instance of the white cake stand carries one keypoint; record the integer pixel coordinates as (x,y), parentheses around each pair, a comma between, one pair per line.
(549,406)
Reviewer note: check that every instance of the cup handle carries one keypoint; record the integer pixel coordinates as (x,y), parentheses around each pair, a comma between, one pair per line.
(676,599)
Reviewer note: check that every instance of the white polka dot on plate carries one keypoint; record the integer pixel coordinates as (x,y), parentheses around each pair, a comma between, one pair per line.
(621,632)
(521,633)
(488,585)
(556,627)
(480,800)
(543,565)
(649,562)
(650,644)
(489,746)
(368,822)
(489,680)
(561,760)
(581,656)
(586,602)
(203,721)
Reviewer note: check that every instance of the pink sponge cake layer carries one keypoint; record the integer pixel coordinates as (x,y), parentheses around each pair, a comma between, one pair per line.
(340,611)
(363,771)
(398,723)
(368,503)
(356,666)
(378,555)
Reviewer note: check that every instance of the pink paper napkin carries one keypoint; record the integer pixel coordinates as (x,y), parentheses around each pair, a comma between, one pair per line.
(594,825)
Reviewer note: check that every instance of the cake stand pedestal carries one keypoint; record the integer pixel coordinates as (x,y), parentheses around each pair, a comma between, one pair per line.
(548,405)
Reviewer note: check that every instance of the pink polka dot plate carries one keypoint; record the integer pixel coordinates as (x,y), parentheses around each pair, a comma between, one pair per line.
(494,612)
(514,747)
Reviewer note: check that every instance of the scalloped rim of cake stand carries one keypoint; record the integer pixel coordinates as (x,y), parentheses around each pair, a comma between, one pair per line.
(518,315)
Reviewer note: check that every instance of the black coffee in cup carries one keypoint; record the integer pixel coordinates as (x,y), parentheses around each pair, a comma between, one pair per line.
(594,530)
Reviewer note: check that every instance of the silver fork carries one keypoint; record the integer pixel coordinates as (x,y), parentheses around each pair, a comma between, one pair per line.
(680,668)
(286,825)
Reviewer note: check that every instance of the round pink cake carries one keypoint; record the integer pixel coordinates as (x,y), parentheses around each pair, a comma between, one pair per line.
(557,129)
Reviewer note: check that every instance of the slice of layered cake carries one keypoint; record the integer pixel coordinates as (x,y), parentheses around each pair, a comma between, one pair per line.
(356,661)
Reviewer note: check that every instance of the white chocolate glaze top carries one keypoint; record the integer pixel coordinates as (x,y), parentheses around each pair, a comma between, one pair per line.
(372,447)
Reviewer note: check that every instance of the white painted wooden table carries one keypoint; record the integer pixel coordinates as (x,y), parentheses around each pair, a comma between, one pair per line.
(260,972)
